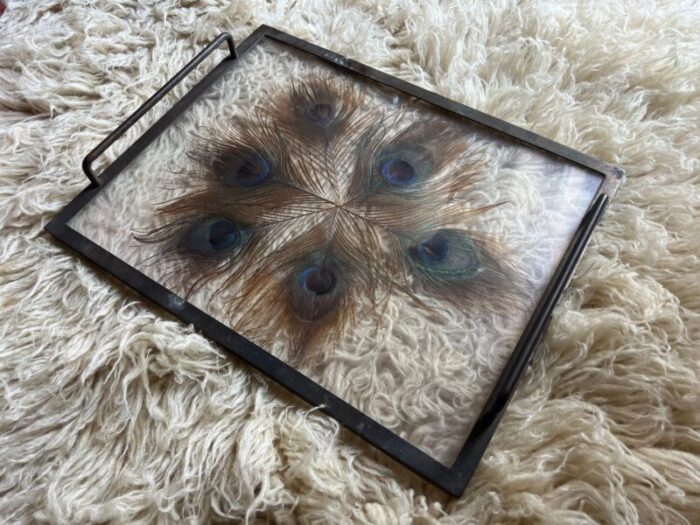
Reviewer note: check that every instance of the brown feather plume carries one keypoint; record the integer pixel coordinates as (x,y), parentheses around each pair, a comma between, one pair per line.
(318,208)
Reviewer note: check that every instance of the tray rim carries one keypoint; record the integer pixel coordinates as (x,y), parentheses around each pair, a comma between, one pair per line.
(452,479)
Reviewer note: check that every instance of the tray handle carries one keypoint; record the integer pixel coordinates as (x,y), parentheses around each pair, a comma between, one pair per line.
(146,106)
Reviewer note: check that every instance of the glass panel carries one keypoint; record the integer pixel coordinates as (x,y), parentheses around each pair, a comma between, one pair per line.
(390,251)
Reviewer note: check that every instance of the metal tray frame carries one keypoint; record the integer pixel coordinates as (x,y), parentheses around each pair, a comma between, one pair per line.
(452,479)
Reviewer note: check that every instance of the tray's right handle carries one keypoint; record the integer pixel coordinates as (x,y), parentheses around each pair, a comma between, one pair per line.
(143,109)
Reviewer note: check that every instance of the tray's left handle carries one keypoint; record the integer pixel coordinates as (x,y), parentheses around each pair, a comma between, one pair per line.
(143,109)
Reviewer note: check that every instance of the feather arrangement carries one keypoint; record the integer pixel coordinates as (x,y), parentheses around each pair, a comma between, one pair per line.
(311,213)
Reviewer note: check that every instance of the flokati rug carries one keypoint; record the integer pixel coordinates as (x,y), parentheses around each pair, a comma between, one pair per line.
(113,412)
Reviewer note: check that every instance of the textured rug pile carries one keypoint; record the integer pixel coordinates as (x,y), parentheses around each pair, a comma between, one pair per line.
(112,412)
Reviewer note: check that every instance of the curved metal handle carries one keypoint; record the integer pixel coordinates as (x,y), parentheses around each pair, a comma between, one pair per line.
(143,109)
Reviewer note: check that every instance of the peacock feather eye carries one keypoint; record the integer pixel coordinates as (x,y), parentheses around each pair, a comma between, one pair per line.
(246,170)
(319,106)
(212,236)
(319,113)
(449,253)
(402,168)
(318,280)
(315,289)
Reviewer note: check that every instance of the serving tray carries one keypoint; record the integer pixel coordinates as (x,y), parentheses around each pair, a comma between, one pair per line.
(384,253)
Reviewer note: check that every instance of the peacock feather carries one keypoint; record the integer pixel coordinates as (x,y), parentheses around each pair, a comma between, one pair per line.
(312,212)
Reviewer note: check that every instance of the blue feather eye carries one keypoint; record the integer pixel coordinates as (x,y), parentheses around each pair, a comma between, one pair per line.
(212,236)
(315,290)
(320,114)
(398,172)
(248,170)
(448,253)
(402,168)
(318,280)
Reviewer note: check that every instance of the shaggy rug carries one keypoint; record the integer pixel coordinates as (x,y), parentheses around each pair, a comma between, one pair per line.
(113,412)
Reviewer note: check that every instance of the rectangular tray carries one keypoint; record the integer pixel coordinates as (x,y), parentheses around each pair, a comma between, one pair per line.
(419,148)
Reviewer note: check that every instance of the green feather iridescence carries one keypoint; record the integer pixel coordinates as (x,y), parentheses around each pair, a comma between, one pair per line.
(449,253)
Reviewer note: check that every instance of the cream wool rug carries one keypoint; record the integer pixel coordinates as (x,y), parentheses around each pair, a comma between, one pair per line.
(112,412)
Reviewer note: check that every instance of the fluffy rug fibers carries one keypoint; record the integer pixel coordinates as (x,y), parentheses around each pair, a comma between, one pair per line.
(113,412)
